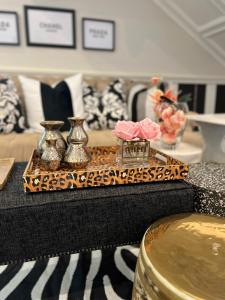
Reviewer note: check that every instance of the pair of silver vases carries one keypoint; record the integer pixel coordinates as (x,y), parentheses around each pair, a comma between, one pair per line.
(53,149)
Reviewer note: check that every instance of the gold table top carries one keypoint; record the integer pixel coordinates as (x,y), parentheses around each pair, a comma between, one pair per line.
(186,253)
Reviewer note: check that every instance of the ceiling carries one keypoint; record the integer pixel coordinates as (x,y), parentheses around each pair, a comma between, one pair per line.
(204,20)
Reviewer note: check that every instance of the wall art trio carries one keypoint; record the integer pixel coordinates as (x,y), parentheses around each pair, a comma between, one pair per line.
(56,27)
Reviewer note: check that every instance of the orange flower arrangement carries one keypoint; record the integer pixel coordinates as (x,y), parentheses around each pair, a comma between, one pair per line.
(172,119)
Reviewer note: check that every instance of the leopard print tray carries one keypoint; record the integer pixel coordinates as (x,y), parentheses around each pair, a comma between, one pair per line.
(102,170)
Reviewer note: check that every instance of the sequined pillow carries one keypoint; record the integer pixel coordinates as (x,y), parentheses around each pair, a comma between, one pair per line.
(103,110)
(11,116)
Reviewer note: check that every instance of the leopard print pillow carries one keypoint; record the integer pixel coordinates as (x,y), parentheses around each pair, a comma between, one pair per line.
(11,116)
(104,110)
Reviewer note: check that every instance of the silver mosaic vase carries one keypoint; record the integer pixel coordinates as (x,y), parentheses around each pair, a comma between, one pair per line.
(76,156)
(51,158)
(52,131)
(77,132)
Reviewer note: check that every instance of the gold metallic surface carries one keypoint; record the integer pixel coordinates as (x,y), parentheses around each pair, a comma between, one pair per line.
(184,255)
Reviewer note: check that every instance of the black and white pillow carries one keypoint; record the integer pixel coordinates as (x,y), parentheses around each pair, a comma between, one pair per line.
(103,110)
(11,116)
(58,102)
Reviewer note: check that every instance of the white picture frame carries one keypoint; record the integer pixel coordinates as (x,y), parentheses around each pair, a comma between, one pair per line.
(98,34)
(9,28)
(50,27)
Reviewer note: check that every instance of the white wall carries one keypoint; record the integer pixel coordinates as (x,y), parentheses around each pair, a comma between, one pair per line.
(147,42)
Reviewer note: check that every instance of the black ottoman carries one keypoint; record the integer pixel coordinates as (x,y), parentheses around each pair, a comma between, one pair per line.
(54,223)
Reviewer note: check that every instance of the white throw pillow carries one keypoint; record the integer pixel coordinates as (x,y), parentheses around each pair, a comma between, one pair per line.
(56,102)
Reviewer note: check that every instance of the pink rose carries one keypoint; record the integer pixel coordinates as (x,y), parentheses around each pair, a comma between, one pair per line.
(169,125)
(181,116)
(167,113)
(149,130)
(126,130)
(168,136)
(178,120)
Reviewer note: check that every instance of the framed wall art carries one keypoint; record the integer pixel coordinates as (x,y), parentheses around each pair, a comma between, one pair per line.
(9,28)
(50,27)
(98,34)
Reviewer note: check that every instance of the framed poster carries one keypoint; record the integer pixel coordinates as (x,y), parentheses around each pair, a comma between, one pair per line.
(50,27)
(98,34)
(9,28)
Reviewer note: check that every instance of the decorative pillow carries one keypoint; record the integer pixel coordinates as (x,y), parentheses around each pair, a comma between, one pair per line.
(11,117)
(104,110)
(45,102)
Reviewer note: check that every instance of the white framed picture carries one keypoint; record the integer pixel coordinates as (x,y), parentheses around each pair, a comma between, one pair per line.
(50,27)
(9,28)
(98,34)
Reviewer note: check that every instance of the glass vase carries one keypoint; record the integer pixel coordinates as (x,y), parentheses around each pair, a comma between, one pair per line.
(172,122)
(134,152)
(171,145)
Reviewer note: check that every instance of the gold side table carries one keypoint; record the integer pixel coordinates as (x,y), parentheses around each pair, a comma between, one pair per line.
(182,257)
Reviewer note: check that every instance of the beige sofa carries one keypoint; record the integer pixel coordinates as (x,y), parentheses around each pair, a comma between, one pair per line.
(20,146)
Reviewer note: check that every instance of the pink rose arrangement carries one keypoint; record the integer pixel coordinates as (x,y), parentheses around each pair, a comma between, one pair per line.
(172,119)
(171,125)
(143,130)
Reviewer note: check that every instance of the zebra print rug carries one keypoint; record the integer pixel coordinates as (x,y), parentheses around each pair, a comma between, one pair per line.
(98,275)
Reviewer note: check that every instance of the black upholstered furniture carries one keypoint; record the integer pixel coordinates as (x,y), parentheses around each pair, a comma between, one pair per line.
(53,223)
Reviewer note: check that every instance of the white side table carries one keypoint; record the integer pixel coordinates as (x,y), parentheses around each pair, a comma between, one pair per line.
(184,152)
(213,131)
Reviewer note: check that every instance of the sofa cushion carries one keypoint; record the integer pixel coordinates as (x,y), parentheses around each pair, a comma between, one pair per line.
(104,109)
(21,146)
(56,102)
(11,116)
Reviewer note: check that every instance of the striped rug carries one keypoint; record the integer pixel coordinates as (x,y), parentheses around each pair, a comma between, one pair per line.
(98,275)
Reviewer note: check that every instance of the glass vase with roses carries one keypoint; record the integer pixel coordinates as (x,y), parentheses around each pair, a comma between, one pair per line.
(134,140)
(170,116)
